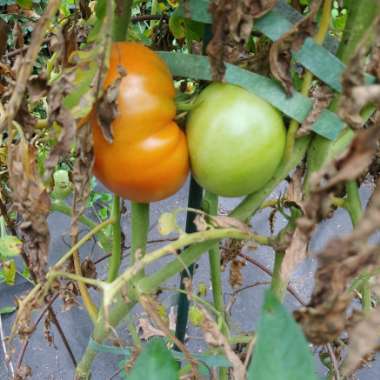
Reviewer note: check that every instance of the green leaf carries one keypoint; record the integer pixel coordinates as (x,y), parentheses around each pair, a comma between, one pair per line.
(7,310)
(10,246)
(297,106)
(281,351)
(154,363)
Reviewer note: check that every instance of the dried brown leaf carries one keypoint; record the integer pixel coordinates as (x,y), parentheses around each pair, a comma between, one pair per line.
(294,254)
(107,108)
(236,277)
(232,26)
(281,51)
(200,223)
(23,372)
(364,338)
(38,87)
(147,330)
(352,164)
(325,317)
(322,97)
(356,94)
(223,221)
(214,337)
(32,202)
(3,37)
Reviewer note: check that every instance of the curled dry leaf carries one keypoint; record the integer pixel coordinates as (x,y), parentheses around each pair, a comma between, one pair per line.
(107,109)
(23,372)
(147,330)
(214,337)
(4,28)
(230,250)
(222,221)
(281,51)
(325,317)
(236,277)
(32,202)
(356,94)
(232,26)
(364,338)
(322,97)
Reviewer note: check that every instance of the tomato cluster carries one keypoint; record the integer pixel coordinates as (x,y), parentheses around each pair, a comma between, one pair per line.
(235,140)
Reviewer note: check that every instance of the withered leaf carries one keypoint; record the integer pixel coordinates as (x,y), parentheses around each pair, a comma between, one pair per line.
(356,94)
(147,330)
(3,36)
(325,317)
(236,277)
(281,51)
(364,338)
(107,108)
(232,26)
(32,202)
(223,221)
(23,373)
(355,161)
(37,87)
(322,97)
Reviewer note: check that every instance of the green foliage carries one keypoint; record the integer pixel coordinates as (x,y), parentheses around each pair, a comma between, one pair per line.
(281,351)
(155,362)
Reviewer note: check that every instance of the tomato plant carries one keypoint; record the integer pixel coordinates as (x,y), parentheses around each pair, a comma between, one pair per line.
(236,140)
(148,159)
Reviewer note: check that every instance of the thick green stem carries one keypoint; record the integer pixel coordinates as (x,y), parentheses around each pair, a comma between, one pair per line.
(139,232)
(361,14)
(121,19)
(277,285)
(194,202)
(115,259)
(210,205)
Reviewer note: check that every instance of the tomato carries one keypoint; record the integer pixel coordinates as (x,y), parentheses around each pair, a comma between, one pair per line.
(236,140)
(148,158)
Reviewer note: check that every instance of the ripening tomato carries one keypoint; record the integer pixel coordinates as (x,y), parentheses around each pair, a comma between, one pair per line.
(148,158)
(236,140)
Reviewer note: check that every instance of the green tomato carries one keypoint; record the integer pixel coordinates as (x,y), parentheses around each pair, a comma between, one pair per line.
(236,140)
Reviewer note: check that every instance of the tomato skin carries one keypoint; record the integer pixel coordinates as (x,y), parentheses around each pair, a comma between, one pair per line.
(148,158)
(236,140)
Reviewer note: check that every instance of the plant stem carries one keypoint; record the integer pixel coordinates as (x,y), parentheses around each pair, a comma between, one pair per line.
(82,241)
(115,260)
(352,202)
(139,232)
(277,285)
(64,208)
(210,205)
(86,298)
(121,20)
(360,16)
(308,77)
(194,202)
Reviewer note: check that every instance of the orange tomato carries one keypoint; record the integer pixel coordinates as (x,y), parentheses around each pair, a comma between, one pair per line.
(148,158)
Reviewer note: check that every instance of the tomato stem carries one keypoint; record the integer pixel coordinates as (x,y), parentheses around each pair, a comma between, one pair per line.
(121,20)
(210,205)
(139,232)
(115,259)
